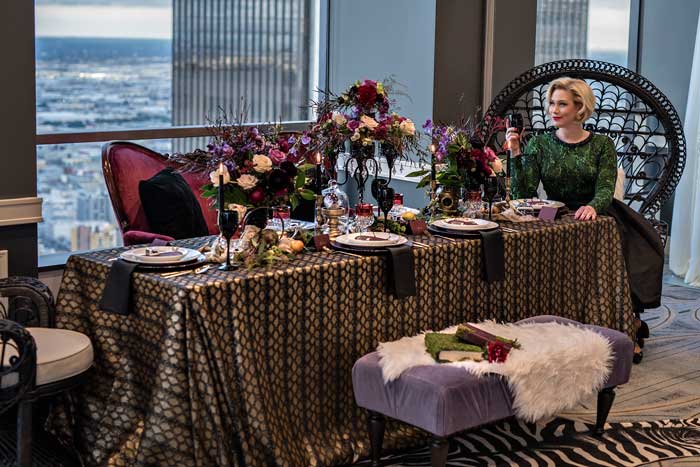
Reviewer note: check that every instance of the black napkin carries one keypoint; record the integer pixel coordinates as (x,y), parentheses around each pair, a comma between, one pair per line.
(117,291)
(492,260)
(401,274)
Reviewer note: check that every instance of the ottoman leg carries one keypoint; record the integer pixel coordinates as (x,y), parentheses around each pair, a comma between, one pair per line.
(605,400)
(375,427)
(438,451)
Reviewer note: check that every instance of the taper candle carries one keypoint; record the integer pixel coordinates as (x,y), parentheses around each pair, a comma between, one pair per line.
(221,189)
(317,175)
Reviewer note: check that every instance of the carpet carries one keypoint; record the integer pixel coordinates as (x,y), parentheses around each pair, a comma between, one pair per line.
(654,422)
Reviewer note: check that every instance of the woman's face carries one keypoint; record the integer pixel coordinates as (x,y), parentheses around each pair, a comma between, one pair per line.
(562,109)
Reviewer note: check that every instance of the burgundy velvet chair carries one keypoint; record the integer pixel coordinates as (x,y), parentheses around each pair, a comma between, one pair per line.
(124,165)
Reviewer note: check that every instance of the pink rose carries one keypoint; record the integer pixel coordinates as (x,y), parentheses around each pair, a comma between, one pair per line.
(277,156)
(353,125)
(490,154)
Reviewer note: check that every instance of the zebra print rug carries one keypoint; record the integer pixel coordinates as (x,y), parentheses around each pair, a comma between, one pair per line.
(561,442)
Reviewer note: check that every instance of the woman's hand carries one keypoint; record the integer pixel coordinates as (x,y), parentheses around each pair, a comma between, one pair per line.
(585,213)
(513,141)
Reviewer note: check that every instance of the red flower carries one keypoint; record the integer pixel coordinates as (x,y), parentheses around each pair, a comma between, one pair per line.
(367,93)
(256,196)
(497,352)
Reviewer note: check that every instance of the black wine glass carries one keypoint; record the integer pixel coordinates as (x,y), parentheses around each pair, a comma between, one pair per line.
(228,224)
(490,191)
(386,202)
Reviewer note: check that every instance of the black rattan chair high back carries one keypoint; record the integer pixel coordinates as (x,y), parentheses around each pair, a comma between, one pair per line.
(645,126)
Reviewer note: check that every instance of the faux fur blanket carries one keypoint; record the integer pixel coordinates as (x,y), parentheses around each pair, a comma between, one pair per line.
(557,367)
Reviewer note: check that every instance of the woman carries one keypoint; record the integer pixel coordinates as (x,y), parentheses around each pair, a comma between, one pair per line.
(575,166)
(579,168)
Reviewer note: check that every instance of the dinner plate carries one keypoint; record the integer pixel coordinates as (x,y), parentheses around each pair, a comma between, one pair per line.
(370,239)
(359,250)
(536,203)
(163,255)
(466,234)
(464,224)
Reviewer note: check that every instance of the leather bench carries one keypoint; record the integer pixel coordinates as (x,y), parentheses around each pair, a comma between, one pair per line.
(444,399)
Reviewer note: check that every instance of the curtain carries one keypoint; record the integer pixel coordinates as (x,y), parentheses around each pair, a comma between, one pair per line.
(684,258)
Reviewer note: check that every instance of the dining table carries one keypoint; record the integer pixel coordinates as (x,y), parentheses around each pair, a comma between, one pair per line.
(253,366)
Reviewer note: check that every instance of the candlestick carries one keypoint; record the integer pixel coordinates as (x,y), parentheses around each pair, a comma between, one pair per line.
(221,190)
(317,175)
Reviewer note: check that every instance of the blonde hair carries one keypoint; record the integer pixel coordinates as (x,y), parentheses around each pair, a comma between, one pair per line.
(580,91)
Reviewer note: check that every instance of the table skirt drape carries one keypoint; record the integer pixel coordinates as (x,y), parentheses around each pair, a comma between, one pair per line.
(254,367)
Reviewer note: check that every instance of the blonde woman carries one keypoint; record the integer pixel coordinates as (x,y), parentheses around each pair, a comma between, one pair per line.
(579,168)
(575,166)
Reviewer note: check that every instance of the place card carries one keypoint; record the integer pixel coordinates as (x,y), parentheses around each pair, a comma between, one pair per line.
(417,227)
(322,241)
(548,213)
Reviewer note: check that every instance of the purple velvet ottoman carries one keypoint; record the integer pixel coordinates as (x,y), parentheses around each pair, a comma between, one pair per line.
(444,400)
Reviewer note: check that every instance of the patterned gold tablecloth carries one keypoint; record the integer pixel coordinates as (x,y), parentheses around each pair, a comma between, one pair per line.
(254,367)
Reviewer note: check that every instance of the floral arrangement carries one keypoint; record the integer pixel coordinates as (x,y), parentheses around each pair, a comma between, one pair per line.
(461,153)
(362,115)
(261,167)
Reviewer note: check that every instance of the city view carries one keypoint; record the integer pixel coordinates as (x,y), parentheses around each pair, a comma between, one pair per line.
(88,84)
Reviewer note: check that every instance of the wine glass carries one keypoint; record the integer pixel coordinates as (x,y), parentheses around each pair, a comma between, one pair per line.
(490,190)
(228,224)
(363,216)
(386,202)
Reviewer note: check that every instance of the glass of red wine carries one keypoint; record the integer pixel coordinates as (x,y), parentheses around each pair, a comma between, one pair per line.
(228,224)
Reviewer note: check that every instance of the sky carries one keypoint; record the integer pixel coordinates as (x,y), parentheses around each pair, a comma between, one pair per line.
(104,18)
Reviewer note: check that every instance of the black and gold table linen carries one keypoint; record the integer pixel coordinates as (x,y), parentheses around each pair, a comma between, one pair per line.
(254,367)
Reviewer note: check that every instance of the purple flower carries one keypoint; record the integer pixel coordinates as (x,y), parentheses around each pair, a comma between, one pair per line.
(292,140)
(305,140)
(230,166)
(428,125)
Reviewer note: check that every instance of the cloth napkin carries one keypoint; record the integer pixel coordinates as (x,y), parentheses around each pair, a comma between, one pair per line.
(492,259)
(401,273)
(511,215)
(117,292)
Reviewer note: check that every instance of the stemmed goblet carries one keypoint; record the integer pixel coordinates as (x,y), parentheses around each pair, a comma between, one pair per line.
(386,202)
(490,190)
(228,224)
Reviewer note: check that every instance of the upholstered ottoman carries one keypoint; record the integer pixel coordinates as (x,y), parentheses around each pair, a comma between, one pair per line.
(443,399)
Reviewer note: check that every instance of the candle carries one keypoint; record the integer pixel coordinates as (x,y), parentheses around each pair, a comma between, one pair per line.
(508,164)
(432,163)
(317,175)
(221,189)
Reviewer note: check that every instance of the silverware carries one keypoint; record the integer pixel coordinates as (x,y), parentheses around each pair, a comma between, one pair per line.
(330,250)
(507,229)
(445,238)
(422,245)
(199,270)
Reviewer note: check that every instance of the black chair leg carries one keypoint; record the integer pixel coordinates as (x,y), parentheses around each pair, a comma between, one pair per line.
(438,451)
(605,400)
(375,426)
(24,434)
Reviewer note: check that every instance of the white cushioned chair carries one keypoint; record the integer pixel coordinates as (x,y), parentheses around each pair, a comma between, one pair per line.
(36,362)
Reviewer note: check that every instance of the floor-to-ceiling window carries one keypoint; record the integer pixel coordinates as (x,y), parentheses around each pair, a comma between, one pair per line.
(121,66)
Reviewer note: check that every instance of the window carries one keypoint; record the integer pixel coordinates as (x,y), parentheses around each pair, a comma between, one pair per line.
(595,29)
(118,67)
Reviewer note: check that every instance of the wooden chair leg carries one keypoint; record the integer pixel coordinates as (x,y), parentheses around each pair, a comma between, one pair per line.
(605,401)
(375,426)
(438,451)
(24,434)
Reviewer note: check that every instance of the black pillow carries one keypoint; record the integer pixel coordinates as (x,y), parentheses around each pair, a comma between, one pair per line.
(170,206)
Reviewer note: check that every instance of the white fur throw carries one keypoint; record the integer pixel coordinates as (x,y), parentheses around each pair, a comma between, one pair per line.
(557,367)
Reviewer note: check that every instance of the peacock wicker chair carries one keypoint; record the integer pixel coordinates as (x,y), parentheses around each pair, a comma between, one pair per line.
(644,125)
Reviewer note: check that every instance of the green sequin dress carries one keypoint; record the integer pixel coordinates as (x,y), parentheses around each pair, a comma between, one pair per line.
(576,174)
